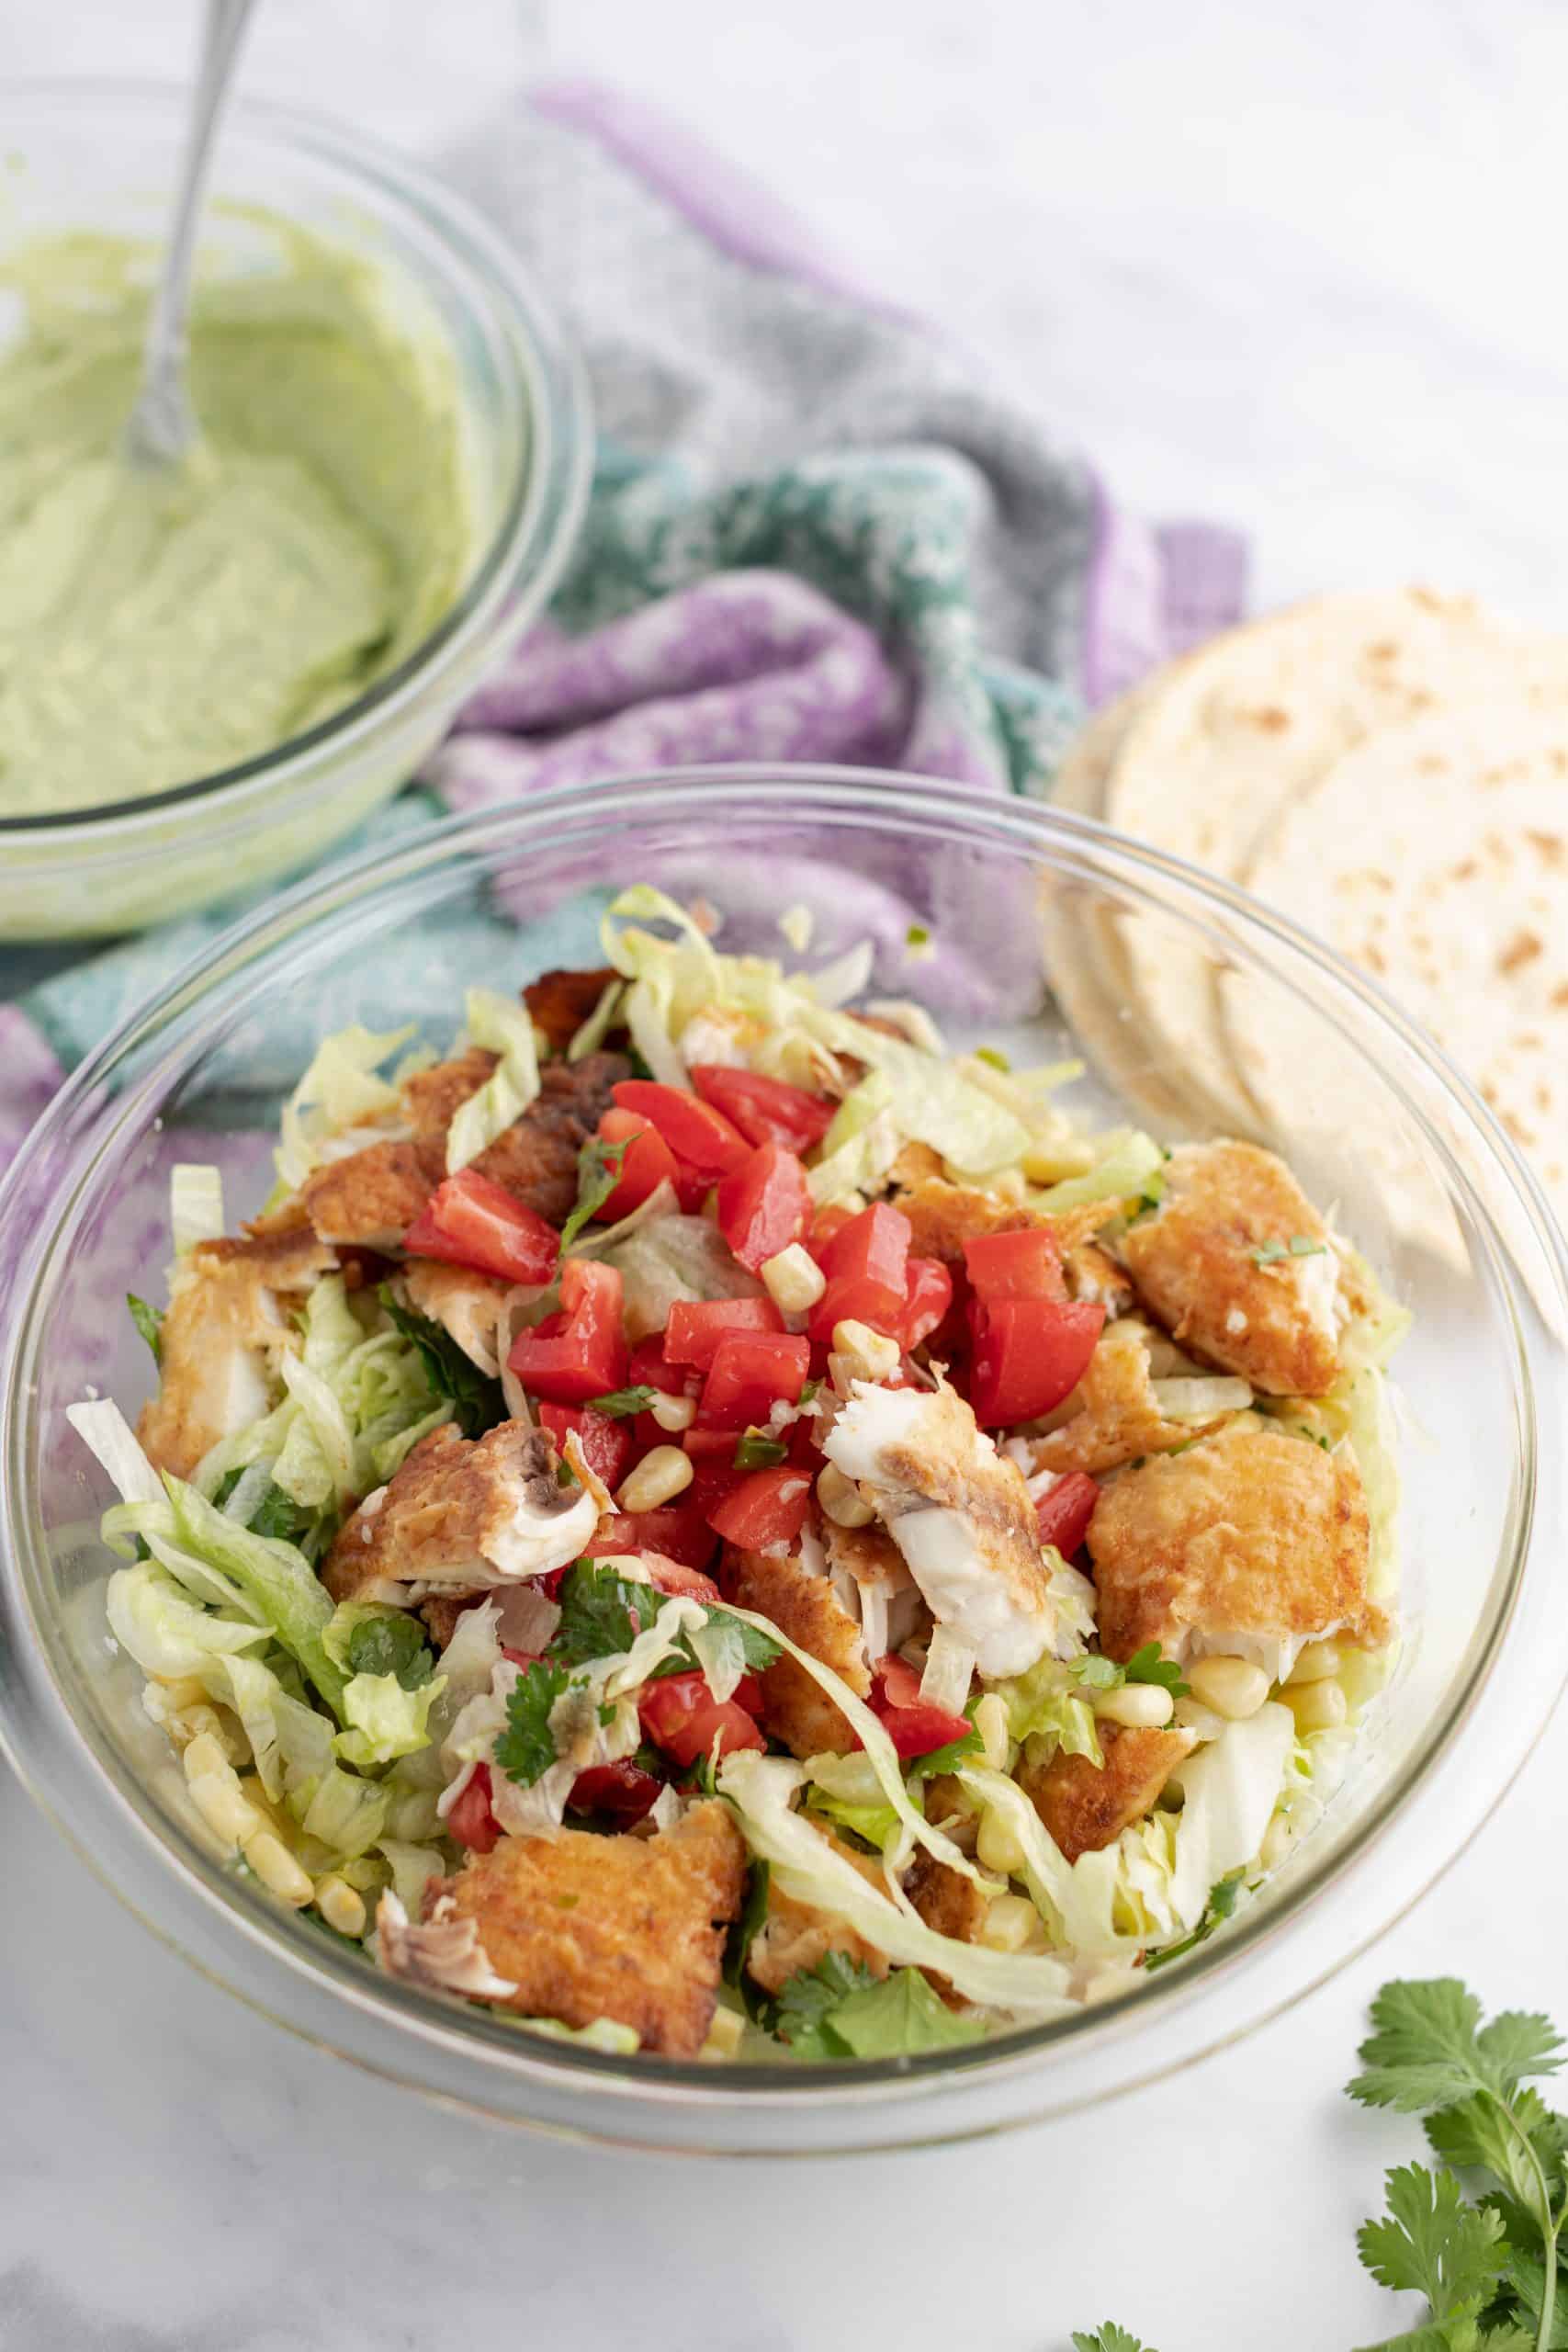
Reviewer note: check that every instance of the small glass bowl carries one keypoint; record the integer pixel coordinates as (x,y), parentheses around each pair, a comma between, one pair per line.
(84,155)
(1014,899)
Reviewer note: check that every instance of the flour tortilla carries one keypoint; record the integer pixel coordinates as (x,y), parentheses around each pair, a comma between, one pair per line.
(1253,720)
(1435,855)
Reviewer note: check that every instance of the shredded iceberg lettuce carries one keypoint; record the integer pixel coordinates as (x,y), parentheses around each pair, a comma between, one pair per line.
(341,1090)
(1128,1162)
(195,1205)
(384,1719)
(501,1026)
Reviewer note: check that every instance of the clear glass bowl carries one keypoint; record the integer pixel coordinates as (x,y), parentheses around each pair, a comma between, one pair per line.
(1020,902)
(83,155)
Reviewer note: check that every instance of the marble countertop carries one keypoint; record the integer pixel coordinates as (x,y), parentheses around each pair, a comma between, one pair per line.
(1286,269)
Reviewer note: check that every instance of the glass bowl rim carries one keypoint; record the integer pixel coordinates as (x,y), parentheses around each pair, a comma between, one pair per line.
(880,798)
(558,414)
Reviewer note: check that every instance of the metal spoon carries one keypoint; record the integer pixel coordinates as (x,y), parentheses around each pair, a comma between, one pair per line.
(163,429)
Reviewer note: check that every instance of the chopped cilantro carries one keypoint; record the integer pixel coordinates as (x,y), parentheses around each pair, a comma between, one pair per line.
(598,1173)
(149,1321)
(477,1401)
(754,1911)
(620,1404)
(838,2009)
(757,1451)
(392,1644)
(996,1059)
(808,1998)
(1147,1666)
(809,1393)
(279,1516)
(601,1615)
(918,935)
(525,1749)
(946,1758)
(1221,1904)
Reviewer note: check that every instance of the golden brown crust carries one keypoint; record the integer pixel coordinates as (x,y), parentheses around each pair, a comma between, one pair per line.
(868,1554)
(950,1808)
(796,1934)
(805,1608)
(560,1003)
(1251,1532)
(1111,1416)
(467,1305)
(1194,1262)
(433,1098)
(370,1199)
(536,1156)
(448,1512)
(945,1216)
(950,1904)
(626,1928)
(1085,1806)
(225,1324)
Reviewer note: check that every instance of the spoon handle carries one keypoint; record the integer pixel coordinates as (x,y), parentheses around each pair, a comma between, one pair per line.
(163,427)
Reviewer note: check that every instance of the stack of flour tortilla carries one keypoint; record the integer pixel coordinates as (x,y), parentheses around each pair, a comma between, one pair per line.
(1392,772)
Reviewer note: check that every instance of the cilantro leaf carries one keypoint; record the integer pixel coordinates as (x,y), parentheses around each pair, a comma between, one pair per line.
(149,1321)
(1432,2241)
(477,1400)
(753,1912)
(1095,1673)
(1221,1904)
(598,1173)
(1147,1666)
(527,1748)
(603,1612)
(278,1515)
(620,1404)
(1108,2338)
(896,2018)
(392,1644)
(806,1999)
(1475,2136)
(944,1759)
(1430,2050)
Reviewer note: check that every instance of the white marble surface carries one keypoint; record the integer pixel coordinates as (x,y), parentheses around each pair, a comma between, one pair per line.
(1293,268)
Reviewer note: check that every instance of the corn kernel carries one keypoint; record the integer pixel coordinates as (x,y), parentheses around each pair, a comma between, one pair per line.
(841,1498)
(276,1868)
(1318,1706)
(339,1905)
(1232,1687)
(657,1478)
(794,1280)
(1139,1706)
(1190,1716)
(863,1353)
(673,1413)
(724,2037)
(203,1757)
(1013,1924)
(1317,1663)
(226,1810)
(180,1690)
(992,1722)
(998,1848)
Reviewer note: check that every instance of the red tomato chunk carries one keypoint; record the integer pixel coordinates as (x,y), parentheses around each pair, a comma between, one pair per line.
(681,1715)
(914,1726)
(471,1221)
(1065,1510)
(1028,1353)
(696,1326)
(752,1372)
(622,1790)
(647,1163)
(765,1108)
(763,1205)
(606,1443)
(681,1533)
(1015,1265)
(579,1354)
(470,1820)
(767,1507)
(701,1138)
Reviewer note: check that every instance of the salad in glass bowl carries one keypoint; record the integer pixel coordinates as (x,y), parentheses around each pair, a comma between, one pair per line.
(708,1523)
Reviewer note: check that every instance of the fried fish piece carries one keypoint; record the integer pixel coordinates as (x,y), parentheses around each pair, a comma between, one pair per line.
(1196,1262)
(1249,1541)
(462,1515)
(945,1216)
(535,1158)
(951,1904)
(795,1936)
(1087,1805)
(223,1333)
(369,1199)
(627,1927)
(1114,1416)
(432,1098)
(466,1306)
(560,1003)
(807,1608)
(959,1512)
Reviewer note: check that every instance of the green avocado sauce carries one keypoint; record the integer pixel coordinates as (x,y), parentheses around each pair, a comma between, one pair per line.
(155,629)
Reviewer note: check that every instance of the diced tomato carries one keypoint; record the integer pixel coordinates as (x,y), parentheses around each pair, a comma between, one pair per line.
(1027,1264)
(930,1296)
(763,1205)
(696,1326)
(766,1507)
(647,1163)
(648,1367)
(914,1726)
(701,1138)
(582,1352)
(471,1221)
(681,1533)
(470,1820)
(673,1576)
(750,1373)
(875,1243)
(606,1443)
(1028,1353)
(1064,1511)
(709,1445)
(765,1108)
(681,1715)
(824,1225)
(857,1298)
(622,1789)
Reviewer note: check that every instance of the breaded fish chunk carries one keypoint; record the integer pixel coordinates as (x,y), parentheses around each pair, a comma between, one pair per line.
(560,1003)
(224,1329)
(1251,1534)
(433,1098)
(1196,1262)
(950,1904)
(959,1512)
(536,1156)
(1087,1805)
(945,1216)
(369,1199)
(626,1928)
(1114,1416)
(462,1515)
(807,1608)
(466,1306)
(796,1934)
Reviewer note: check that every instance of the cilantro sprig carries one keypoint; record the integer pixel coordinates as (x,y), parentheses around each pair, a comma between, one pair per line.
(603,1613)
(1487,2265)
(149,1321)
(477,1400)
(1147,1665)
(840,2009)
(620,1404)
(527,1748)
(598,1173)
